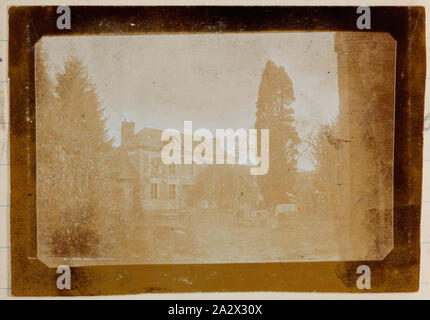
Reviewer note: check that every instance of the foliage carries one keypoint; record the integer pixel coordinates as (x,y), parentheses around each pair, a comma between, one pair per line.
(274,112)
(326,162)
(75,160)
(222,186)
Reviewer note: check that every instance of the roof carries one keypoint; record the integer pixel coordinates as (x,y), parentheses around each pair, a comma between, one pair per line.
(150,138)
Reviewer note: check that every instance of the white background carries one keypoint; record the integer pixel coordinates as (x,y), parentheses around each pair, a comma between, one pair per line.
(5,292)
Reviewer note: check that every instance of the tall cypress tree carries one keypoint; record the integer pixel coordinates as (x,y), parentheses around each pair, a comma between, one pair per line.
(274,112)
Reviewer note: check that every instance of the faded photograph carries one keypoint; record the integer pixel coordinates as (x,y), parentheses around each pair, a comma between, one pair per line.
(214,148)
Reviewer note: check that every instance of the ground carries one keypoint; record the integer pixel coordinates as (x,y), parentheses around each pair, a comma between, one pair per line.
(218,236)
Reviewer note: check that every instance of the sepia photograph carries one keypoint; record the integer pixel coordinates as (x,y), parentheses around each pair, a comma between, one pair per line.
(214,148)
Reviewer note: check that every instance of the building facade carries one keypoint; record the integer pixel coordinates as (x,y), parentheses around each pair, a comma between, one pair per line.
(161,186)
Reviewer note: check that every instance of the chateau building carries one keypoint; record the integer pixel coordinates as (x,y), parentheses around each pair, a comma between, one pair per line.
(161,186)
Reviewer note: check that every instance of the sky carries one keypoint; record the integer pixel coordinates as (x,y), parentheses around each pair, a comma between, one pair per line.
(161,80)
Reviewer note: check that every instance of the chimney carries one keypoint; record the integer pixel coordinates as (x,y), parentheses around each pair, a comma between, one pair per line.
(127,133)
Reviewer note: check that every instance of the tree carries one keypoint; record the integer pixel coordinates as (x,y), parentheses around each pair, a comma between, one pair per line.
(274,112)
(48,151)
(221,186)
(326,161)
(75,183)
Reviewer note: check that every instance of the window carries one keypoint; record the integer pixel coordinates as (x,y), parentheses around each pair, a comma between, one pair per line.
(154,191)
(172,192)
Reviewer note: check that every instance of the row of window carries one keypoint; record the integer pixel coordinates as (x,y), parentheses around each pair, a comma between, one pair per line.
(156,194)
(189,170)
